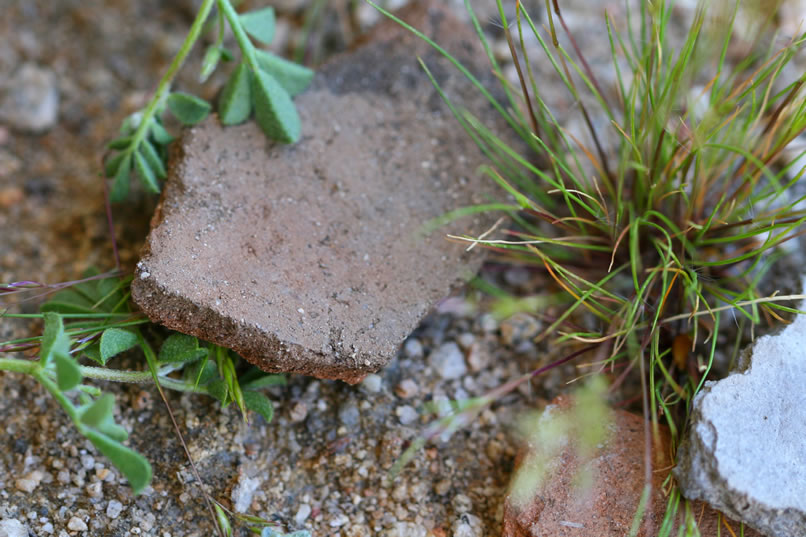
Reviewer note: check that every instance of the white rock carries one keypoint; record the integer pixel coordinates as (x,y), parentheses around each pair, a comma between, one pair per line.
(30,101)
(303,513)
(372,383)
(468,525)
(243,492)
(30,481)
(76,524)
(746,453)
(406,414)
(448,361)
(114,508)
(11,527)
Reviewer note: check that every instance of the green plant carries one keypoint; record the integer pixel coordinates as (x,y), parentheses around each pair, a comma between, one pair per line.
(668,218)
(261,83)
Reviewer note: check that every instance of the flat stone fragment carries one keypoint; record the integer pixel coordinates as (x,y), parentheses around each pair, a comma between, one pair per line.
(558,506)
(308,258)
(746,451)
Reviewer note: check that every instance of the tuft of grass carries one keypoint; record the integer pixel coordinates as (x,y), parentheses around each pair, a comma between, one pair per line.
(657,227)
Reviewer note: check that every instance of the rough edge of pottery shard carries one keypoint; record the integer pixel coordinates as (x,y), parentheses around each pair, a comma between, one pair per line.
(745,452)
(307,258)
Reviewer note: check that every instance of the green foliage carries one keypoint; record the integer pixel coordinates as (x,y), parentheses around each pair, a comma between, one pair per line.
(91,318)
(261,82)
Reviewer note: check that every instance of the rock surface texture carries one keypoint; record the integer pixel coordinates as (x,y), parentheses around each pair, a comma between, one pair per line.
(307,258)
(746,450)
(558,507)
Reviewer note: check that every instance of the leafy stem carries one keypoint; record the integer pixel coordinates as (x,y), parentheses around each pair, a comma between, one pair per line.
(156,104)
(247,49)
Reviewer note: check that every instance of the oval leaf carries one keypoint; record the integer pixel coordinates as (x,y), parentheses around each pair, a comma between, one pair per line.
(259,403)
(180,348)
(100,410)
(293,77)
(145,173)
(153,159)
(120,143)
(235,103)
(259,24)
(114,341)
(160,135)
(120,186)
(54,340)
(68,374)
(187,108)
(130,463)
(211,58)
(274,111)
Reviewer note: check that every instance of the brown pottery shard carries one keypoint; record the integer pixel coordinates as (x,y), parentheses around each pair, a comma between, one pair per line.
(307,258)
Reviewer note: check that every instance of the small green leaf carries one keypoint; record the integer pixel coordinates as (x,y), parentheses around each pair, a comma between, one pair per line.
(112,164)
(293,77)
(160,135)
(218,390)
(235,103)
(259,403)
(259,24)
(120,186)
(264,381)
(201,372)
(98,411)
(93,352)
(68,374)
(54,340)
(274,111)
(145,173)
(211,58)
(223,520)
(120,143)
(130,463)
(114,341)
(153,158)
(187,108)
(226,54)
(180,348)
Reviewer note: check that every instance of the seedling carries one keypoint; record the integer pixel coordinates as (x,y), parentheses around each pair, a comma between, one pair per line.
(261,82)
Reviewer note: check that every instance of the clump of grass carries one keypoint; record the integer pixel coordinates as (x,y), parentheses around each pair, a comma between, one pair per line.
(660,228)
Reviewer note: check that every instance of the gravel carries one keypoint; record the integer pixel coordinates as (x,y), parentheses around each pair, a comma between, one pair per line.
(448,361)
(11,527)
(31,99)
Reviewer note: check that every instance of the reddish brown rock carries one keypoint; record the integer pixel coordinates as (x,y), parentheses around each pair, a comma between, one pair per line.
(559,508)
(307,258)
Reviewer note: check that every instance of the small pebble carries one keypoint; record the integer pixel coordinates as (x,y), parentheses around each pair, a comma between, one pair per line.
(412,348)
(478,357)
(114,508)
(298,412)
(31,101)
(407,389)
(462,503)
(11,527)
(303,513)
(372,383)
(30,481)
(448,361)
(406,414)
(488,323)
(349,415)
(95,490)
(465,340)
(442,487)
(519,328)
(339,521)
(468,525)
(76,524)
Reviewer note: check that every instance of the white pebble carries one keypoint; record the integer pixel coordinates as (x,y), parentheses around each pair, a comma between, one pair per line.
(76,524)
(114,508)
(468,525)
(303,513)
(406,414)
(412,348)
(448,361)
(11,527)
(372,383)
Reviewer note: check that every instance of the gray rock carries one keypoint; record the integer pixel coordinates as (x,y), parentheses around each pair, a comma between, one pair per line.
(306,258)
(349,415)
(746,451)
(448,361)
(113,509)
(30,100)
(11,527)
